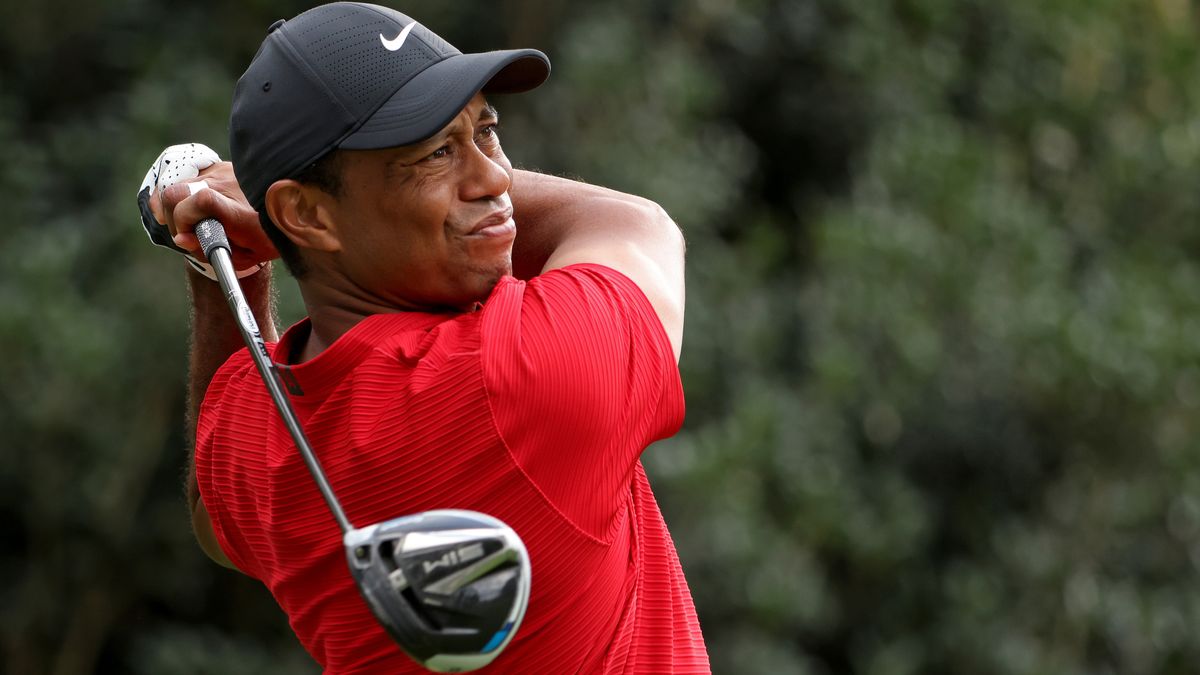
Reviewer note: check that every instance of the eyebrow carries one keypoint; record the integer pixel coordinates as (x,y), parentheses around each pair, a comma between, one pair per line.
(488,113)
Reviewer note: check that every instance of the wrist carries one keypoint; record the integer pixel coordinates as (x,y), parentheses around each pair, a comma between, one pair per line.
(207,270)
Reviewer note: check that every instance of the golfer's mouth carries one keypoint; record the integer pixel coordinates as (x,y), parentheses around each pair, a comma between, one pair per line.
(498,224)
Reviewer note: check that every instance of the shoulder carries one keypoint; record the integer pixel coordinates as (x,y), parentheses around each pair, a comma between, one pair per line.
(224,409)
(231,373)
(572,296)
(580,378)
(576,335)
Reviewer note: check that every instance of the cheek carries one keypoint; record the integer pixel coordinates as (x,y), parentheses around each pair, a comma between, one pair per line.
(426,203)
(412,239)
(502,159)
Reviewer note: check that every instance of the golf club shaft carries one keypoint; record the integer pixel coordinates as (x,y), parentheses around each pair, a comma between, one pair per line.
(215,244)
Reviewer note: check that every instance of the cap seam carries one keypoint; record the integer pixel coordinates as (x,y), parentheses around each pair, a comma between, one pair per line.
(311,75)
(367,116)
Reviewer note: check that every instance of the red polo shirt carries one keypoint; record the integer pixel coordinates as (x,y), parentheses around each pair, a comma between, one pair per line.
(534,409)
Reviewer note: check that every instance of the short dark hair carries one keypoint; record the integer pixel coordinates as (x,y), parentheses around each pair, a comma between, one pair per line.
(326,175)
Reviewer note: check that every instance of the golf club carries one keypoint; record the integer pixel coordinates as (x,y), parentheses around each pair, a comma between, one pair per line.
(450,586)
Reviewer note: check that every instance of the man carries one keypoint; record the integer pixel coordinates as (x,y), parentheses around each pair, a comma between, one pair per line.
(426,375)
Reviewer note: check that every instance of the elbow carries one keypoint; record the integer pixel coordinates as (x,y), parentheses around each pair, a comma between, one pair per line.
(665,227)
(202,529)
(670,227)
(654,218)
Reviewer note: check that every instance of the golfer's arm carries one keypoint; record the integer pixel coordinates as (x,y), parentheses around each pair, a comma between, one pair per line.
(561,222)
(215,337)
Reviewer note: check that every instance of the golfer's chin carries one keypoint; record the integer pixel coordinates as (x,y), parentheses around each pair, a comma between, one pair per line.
(484,278)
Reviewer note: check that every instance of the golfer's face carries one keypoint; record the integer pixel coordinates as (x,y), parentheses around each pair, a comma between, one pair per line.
(429,224)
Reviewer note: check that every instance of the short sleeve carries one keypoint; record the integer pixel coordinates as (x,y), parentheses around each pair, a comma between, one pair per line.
(581,378)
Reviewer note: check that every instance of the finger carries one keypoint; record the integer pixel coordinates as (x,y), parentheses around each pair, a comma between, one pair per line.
(185,239)
(169,199)
(172,197)
(220,177)
(192,208)
(244,258)
(177,164)
(189,239)
(156,207)
(240,221)
(188,242)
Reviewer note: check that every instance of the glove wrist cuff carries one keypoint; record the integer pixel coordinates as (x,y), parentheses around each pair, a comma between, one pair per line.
(211,275)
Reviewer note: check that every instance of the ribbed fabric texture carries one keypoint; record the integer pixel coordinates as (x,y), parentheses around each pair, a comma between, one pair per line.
(534,409)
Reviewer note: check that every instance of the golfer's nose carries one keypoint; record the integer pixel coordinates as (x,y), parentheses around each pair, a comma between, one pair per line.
(487,176)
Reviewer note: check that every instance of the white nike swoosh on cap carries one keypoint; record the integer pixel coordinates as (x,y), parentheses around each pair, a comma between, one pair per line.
(398,41)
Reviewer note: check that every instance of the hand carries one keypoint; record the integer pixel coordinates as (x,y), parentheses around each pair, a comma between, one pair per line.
(188,183)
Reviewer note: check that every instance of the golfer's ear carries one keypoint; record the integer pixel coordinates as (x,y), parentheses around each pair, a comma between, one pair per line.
(303,213)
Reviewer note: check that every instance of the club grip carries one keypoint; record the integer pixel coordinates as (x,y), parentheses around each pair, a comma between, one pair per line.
(211,235)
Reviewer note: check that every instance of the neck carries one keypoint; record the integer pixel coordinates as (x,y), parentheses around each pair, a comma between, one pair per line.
(333,311)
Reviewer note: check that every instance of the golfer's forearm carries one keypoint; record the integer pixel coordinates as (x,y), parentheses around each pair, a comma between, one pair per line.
(215,337)
(564,223)
(549,210)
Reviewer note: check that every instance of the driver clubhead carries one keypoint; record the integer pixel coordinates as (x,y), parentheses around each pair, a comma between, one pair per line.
(450,586)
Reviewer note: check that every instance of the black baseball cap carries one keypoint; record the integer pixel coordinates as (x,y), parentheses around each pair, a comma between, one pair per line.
(355,76)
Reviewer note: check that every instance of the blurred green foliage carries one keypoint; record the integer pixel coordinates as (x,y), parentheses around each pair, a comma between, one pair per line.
(943,345)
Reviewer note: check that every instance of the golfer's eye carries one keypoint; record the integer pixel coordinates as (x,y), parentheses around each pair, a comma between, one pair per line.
(488,134)
(441,152)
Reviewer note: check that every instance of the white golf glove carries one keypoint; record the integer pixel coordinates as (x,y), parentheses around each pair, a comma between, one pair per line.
(178,163)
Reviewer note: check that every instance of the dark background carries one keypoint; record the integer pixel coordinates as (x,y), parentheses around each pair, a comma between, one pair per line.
(942,355)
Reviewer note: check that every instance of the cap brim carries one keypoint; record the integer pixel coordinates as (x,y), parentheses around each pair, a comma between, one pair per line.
(428,102)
